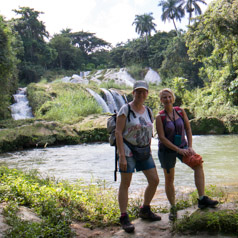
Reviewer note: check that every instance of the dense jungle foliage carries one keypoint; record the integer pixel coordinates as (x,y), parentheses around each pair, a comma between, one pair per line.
(200,64)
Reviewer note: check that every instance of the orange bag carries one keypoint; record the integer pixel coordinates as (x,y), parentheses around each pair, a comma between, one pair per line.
(193,160)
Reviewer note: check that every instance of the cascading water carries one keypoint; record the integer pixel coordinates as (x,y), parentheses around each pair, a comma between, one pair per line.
(122,77)
(20,109)
(117,98)
(100,100)
(152,77)
(110,100)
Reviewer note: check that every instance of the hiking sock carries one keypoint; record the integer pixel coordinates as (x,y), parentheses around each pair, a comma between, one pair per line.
(123,214)
(145,207)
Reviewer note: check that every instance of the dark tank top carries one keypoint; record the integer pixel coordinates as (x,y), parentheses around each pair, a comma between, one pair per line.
(169,130)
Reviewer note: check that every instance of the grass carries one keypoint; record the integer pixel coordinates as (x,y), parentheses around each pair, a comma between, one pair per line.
(224,221)
(57,203)
(137,71)
(207,220)
(68,107)
(112,84)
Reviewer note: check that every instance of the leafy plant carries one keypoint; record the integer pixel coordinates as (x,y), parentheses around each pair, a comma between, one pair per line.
(225,222)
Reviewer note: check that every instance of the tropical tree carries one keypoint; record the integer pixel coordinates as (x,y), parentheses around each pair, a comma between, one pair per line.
(36,54)
(213,40)
(192,6)
(144,25)
(68,56)
(172,10)
(8,67)
(136,53)
(158,44)
(176,63)
(87,41)
(116,55)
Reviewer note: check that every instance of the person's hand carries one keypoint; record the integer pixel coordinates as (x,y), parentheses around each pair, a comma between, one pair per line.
(183,152)
(123,163)
(191,150)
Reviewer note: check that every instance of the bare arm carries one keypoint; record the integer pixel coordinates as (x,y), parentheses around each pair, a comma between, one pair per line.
(188,131)
(120,126)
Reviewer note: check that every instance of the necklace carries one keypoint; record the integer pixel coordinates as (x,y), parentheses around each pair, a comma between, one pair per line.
(172,120)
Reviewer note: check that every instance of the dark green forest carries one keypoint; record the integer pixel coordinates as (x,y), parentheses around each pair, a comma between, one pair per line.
(200,64)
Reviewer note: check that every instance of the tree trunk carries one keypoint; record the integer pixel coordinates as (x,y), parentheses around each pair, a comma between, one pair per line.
(175,26)
(190,16)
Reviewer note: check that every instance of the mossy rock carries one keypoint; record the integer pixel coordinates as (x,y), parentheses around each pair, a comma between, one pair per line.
(208,126)
(208,222)
(231,125)
(37,95)
(45,133)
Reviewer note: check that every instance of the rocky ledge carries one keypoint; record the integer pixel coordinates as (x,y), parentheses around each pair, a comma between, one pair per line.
(39,133)
(32,133)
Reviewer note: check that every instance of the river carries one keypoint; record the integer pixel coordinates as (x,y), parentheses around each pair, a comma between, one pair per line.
(93,162)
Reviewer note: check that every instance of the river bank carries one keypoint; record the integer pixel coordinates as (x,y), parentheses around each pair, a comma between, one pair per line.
(34,206)
(33,133)
(163,228)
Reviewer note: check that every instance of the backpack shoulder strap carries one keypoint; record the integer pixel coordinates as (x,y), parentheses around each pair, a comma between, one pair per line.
(178,110)
(150,113)
(130,112)
(162,115)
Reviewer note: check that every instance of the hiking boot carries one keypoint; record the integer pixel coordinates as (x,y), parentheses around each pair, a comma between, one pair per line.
(146,213)
(173,213)
(206,202)
(126,224)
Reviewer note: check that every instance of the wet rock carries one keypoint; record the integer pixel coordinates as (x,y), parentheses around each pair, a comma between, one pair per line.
(45,133)
(208,126)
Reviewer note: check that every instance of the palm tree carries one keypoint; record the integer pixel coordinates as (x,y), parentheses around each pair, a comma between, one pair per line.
(144,25)
(192,6)
(172,10)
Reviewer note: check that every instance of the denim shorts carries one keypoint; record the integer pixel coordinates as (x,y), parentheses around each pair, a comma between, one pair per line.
(167,158)
(133,164)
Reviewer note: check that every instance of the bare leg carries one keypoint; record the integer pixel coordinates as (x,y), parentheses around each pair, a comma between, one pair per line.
(123,191)
(153,181)
(169,186)
(199,179)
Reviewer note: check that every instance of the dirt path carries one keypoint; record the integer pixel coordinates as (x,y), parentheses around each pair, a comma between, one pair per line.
(143,229)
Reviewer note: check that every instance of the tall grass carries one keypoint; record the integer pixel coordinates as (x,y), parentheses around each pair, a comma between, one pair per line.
(112,84)
(69,106)
(137,71)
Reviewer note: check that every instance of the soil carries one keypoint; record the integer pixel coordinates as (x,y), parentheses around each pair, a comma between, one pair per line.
(143,229)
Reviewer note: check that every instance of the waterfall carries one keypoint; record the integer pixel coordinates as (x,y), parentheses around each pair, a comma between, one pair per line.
(99,99)
(119,100)
(152,77)
(110,100)
(122,77)
(20,109)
